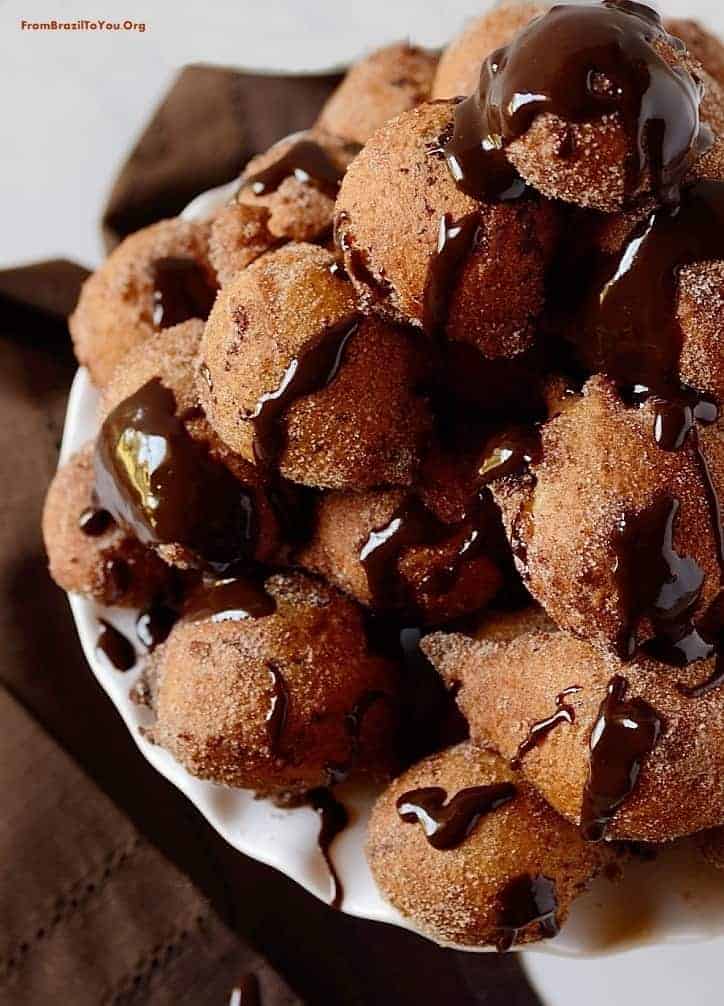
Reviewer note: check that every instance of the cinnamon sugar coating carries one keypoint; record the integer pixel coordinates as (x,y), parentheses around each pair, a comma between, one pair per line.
(458,71)
(384,84)
(600,466)
(213,693)
(585,163)
(111,567)
(115,311)
(365,427)
(298,209)
(507,686)
(454,895)
(388,220)
(703,45)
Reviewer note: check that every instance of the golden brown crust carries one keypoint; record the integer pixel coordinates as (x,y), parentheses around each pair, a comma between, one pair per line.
(384,84)
(459,68)
(453,895)
(112,568)
(388,213)
(213,692)
(508,686)
(367,427)
(115,309)
(600,464)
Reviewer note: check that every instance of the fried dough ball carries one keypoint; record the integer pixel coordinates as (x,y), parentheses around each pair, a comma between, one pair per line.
(704,46)
(600,475)
(239,235)
(392,203)
(265,703)
(296,182)
(458,71)
(171,358)
(509,686)
(156,278)
(365,426)
(376,89)
(586,163)
(467,894)
(103,561)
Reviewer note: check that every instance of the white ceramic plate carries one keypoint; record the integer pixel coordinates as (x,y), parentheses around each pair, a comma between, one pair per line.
(675,899)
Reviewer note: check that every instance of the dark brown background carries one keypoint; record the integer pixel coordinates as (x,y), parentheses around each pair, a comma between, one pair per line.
(114,889)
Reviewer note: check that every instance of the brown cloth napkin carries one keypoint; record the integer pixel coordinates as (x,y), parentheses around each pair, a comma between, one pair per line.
(81,807)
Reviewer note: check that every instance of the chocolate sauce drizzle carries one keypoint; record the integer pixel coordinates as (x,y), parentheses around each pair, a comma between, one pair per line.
(527,901)
(580,62)
(95,521)
(510,453)
(629,327)
(415,525)
(623,735)
(154,624)
(654,581)
(182,290)
(333,819)
(338,772)
(276,718)
(114,645)
(304,160)
(447,825)
(537,733)
(314,369)
(156,480)
(230,600)
(455,242)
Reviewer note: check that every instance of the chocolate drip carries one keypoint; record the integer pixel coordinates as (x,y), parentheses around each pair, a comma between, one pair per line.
(510,453)
(333,819)
(95,521)
(537,733)
(629,329)
(182,290)
(455,242)
(116,647)
(479,168)
(156,480)
(119,579)
(527,901)
(447,825)
(624,734)
(276,719)
(315,368)
(654,581)
(247,992)
(629,326)
(580,63)
(414,525)
(306,161)
(230,600)
(338,772)
(155,623)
